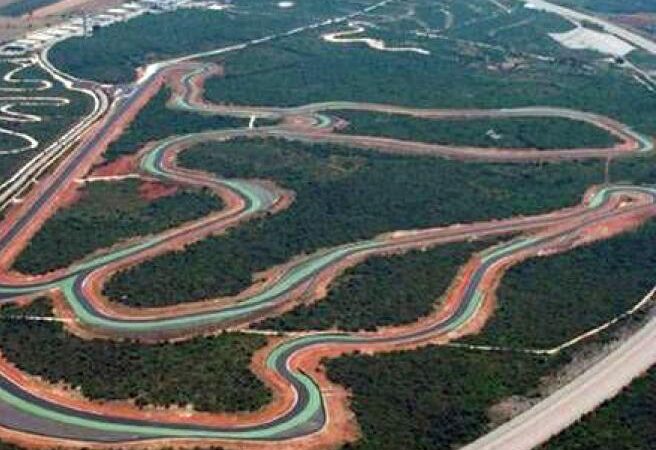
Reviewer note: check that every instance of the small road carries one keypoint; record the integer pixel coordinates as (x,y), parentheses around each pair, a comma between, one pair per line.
(560,410)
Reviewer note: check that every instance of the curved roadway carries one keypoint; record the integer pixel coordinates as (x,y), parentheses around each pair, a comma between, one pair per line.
(36,412)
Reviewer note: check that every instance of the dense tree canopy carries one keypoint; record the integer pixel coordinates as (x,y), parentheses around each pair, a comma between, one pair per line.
(210,373)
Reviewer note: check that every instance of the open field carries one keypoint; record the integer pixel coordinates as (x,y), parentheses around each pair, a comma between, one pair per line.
(23,16)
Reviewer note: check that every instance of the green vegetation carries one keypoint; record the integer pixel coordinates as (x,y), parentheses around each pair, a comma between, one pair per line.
(343,195)
(20,7)
(577,291)
(106,214)
(433,397)
(113,53)
(11,142)
(384,290)
(156,121)
(211,373)
(8,446)
(612,6)
(488,60)
(55,119)
(540,133)
(623,423)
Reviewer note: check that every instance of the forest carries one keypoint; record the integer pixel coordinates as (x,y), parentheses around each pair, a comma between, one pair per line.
(382,291)
(626,422)
(434,397)
(576,290)
(113,53)
(342,195)
(155,121)
(210,373)
(107,213)
(458,74)
(538,133)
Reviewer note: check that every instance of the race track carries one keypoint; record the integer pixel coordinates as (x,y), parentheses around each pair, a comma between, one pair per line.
(301,410)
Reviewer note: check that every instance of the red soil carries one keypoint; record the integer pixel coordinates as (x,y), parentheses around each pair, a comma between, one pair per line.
(152,190)
(121,166)
(82,168)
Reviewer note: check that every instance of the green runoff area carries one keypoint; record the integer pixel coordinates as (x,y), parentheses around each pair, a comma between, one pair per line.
(539,133)
(210,373)
(113,53)
(106,214)
(343,195)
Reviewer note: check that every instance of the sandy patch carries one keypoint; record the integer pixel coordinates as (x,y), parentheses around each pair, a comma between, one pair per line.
(581,38)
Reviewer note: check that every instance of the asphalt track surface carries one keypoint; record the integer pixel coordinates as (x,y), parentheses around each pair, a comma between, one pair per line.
(35,413)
